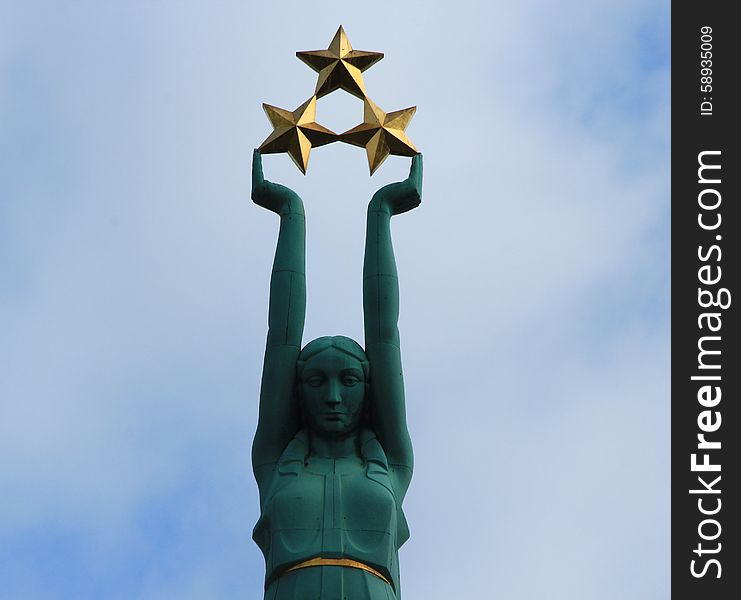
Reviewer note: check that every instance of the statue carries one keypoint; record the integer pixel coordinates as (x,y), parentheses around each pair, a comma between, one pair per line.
(332,455)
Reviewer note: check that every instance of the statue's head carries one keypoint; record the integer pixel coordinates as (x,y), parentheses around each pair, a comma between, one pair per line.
(332,381)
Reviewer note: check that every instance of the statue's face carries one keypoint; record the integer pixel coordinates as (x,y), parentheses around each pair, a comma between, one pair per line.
(333,392)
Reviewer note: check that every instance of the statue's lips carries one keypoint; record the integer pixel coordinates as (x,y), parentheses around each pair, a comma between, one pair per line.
(332,416)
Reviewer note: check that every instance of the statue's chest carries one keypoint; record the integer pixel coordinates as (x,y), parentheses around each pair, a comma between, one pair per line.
(333,506)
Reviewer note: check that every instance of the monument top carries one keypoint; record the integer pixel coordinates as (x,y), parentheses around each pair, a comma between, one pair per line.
(339,68)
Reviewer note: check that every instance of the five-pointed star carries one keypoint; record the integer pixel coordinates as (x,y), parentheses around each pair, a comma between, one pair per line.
(296,132)
(339,66)
(381,134)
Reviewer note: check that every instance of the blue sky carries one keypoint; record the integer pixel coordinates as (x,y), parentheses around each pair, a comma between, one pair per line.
(534,288)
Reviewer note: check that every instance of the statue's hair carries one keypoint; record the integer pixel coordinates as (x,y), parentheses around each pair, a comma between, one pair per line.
(341,343)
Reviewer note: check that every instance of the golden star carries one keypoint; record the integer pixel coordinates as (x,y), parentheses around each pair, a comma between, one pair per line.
(381,134)
(339,66)
(296,132)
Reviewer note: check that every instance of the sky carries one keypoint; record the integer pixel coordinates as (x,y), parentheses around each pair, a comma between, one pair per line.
(534,278)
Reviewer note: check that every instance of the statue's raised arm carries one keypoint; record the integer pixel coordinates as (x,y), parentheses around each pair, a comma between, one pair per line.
(381,315)
(279,418)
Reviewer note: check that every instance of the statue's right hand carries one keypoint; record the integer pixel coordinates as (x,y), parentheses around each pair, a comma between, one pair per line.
(273,196)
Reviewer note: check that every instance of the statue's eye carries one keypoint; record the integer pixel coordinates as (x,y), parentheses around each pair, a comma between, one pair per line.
(314,381)
(350,381)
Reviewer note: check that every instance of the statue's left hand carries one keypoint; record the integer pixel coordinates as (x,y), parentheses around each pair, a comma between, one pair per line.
(273,196)
(402,196)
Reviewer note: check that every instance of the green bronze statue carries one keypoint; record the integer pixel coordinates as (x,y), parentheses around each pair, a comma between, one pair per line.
(332,455)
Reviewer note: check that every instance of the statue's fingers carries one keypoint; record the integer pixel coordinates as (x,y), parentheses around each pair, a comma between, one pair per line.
(415,173)
(257,177)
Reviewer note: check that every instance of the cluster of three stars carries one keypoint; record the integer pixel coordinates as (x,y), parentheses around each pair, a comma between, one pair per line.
(339,67)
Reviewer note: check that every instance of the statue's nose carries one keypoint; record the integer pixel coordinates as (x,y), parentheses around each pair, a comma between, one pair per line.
(334,397)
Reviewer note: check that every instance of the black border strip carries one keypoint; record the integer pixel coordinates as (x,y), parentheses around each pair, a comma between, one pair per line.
(702,268)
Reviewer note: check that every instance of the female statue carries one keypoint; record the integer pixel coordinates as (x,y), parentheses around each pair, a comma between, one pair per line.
(332,455)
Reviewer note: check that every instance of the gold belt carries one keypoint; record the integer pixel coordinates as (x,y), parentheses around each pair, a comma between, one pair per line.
(336,562)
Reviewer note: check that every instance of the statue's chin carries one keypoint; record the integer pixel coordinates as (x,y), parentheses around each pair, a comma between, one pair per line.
(338,431)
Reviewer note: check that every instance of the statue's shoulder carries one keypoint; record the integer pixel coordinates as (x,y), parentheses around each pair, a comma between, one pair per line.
(294,456)
(371,450)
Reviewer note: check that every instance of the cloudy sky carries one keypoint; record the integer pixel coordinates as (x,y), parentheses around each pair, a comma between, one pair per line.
(534,288)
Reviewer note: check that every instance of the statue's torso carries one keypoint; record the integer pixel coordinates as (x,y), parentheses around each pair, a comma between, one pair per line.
(333,508)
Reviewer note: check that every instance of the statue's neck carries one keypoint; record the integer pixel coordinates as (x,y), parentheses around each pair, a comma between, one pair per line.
(333,447)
